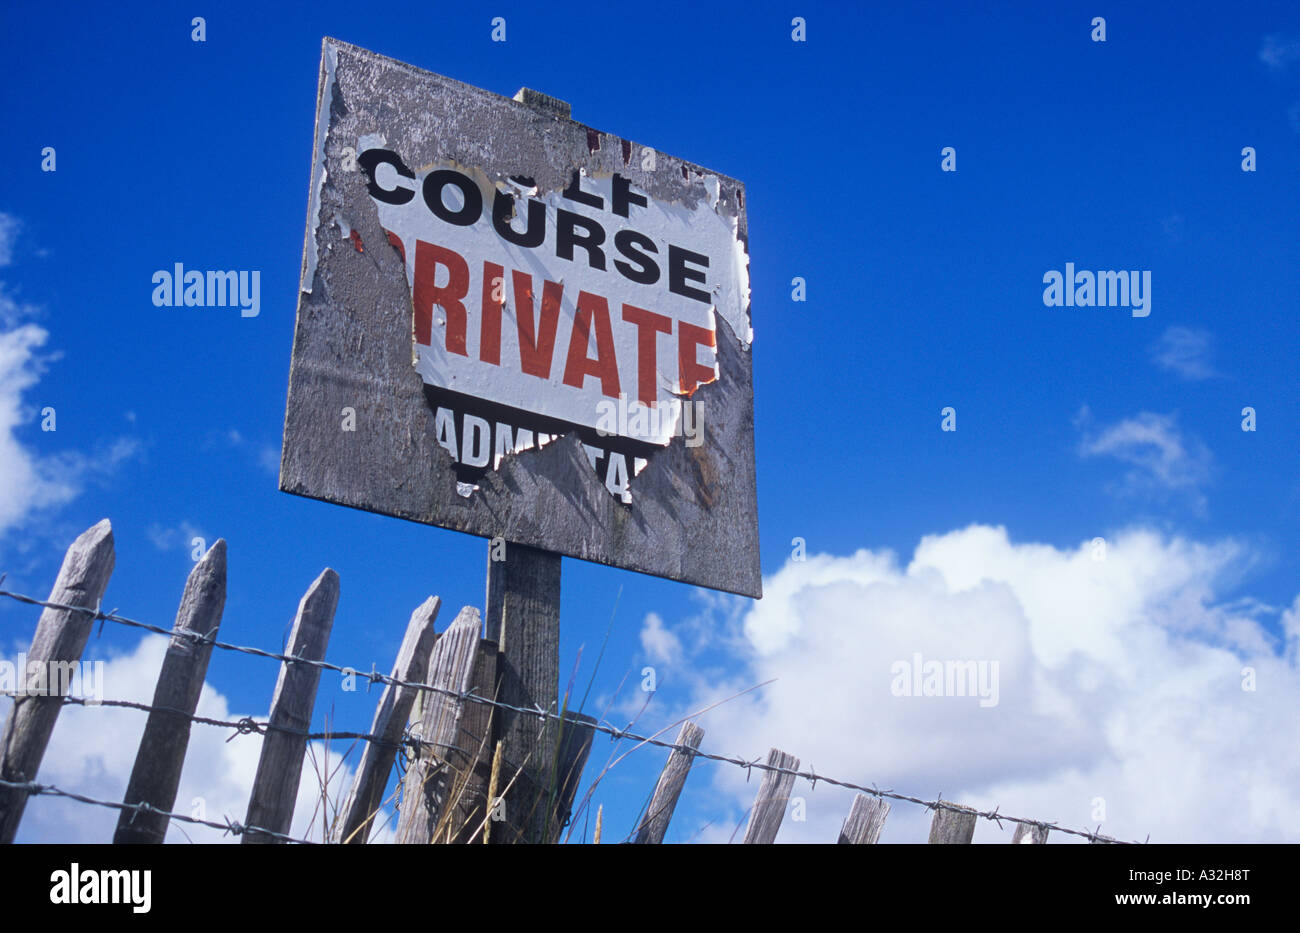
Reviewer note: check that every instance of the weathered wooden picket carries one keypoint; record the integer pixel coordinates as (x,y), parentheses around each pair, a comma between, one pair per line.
(441,708)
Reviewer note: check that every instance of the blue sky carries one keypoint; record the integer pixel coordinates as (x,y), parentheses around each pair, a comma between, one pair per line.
(924,291)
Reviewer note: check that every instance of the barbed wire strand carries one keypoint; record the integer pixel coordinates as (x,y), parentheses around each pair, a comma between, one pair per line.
(246,725)
(231,827)
(614,732)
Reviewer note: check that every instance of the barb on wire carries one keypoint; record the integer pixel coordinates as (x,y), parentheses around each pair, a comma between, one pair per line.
(536,711)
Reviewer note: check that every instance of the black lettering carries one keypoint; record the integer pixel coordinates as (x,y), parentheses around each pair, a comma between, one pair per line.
(626,242)
(574,193)
(469,212)
(369,162)
(679,273)
(623,195)
(566,224)
(535,231)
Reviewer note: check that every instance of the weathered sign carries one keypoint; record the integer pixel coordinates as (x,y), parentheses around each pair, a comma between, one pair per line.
(514,325)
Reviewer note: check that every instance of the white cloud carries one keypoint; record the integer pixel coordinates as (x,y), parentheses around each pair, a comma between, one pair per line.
(660,645)
(31,482)
(1186,352)
(1279,52)
(35,482)
(1165,459)
(92,751)
(1120,684)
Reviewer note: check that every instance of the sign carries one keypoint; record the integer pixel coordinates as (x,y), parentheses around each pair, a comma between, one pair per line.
(514,325)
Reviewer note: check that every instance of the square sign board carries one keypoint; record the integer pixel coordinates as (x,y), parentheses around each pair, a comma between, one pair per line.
(511,324)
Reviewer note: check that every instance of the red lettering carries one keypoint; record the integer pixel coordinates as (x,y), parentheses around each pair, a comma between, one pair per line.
(648,328)
(592,310)
(494,297)
(690,374)
(449,297)
(536,345)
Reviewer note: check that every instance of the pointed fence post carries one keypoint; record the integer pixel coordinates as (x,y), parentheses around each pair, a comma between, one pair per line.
(471,759)
(161,756)
(654,826)
(279,769)
(412,665)
(866,820)
(428,781)
(952,826)
(55,650)
(773,795)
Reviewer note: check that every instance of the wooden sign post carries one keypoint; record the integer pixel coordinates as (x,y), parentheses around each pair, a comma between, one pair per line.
(523,617)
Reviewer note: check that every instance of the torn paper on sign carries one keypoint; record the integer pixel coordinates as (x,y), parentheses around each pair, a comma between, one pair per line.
(595,307)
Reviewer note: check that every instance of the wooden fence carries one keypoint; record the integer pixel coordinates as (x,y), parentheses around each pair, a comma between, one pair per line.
(438,714)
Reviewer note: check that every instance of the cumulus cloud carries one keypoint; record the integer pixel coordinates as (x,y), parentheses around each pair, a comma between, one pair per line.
(31,482)
(35,482)
(93,749)
(1165,459)
(1186,352)
(659,644)
(1120,702)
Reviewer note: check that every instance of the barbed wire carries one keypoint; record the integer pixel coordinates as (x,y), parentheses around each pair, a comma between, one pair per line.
(245,725)
(230,827)
(615,733)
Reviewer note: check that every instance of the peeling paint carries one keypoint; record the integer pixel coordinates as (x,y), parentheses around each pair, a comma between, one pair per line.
(329,62)
(353,236)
